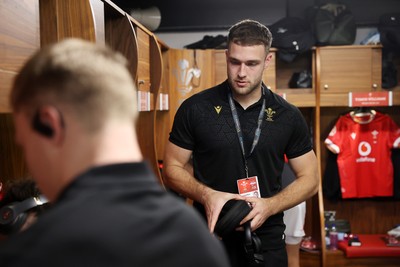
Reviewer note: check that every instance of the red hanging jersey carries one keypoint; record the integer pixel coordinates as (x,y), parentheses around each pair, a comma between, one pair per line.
(364,155)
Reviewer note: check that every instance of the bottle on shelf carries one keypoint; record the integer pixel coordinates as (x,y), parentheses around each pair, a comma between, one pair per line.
(327,238)
(333,238)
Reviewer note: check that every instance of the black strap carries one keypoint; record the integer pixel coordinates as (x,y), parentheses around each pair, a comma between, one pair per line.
(239,129)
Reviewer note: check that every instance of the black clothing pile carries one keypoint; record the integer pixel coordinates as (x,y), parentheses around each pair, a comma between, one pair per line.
(210,42)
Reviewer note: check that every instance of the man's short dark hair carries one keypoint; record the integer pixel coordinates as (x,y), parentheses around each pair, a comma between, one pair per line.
(250,32)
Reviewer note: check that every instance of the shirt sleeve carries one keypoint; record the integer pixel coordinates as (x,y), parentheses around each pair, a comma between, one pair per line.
(300,141)
(182,131)
(394,134)
(333,141)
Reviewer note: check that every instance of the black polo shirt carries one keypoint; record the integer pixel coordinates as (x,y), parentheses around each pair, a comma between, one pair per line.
(115,215)
(204,124)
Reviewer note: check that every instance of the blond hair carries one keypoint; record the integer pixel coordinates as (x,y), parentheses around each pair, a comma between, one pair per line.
(90,80)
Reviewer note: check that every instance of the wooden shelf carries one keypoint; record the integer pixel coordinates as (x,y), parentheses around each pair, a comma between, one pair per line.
(299,97)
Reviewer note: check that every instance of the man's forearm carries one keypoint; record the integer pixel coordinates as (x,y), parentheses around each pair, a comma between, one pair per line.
(182,181)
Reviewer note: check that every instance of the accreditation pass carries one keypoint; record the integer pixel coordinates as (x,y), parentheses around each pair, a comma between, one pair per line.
(248,187)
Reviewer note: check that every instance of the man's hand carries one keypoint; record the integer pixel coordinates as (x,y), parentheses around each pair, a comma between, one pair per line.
(262,210)
(213,201)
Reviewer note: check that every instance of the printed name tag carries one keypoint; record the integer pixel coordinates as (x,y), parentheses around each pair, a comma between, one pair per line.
(248,187)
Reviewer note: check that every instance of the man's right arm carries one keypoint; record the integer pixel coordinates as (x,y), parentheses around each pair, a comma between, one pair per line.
(178,175)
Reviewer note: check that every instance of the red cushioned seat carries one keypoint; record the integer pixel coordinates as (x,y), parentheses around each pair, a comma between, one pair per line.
(371,246)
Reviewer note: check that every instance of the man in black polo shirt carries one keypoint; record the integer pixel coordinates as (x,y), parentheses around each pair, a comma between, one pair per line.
(235,136)
(74,111)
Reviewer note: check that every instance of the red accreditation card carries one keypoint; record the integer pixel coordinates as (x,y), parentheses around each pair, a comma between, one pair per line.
(248,187)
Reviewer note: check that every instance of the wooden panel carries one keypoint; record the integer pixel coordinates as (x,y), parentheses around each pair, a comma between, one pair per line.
(12,164)
(396,98)
(182,63)
(19,32)
(143,76)
(6,80)
(19,39)
(146,121)
(156,72)
(345,69)
(335,100)
(156,66)
(61,19)
(203,60)
(299,97)
(160,132)
(308,259)
(177,64)
(163,117)
(220,66)
(143,53)
(121,36)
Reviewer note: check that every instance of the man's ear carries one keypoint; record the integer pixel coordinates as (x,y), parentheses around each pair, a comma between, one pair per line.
(268,59)
(48,121)
(40,126)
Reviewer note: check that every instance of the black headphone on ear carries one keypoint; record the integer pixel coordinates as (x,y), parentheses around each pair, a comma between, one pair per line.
(232,213)
(13,216)
(41,127)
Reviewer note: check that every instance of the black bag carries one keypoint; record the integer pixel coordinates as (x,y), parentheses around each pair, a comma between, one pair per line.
(302,79)
(389,73)
(292,36)
(389,31)
(332,24)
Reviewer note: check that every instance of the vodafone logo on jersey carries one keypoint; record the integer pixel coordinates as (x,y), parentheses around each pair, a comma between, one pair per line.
(364,149)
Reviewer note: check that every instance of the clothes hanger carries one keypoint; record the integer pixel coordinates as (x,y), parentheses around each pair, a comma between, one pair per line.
(363,115)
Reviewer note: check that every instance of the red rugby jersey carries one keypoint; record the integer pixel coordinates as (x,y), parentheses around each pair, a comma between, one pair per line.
(364,154)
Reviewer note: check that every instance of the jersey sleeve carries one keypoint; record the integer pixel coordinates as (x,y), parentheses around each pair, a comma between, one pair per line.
(394,134)
(334,140)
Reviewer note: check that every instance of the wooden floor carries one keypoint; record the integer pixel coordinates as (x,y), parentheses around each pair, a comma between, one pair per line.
(308,259)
